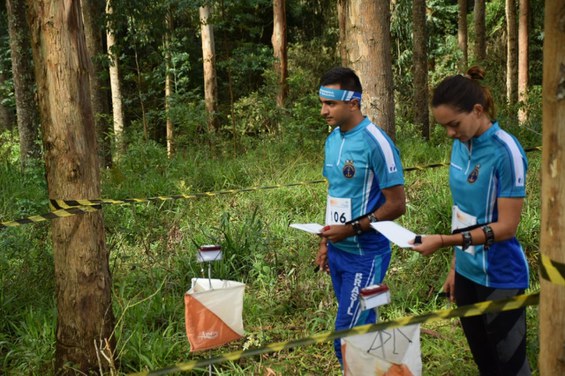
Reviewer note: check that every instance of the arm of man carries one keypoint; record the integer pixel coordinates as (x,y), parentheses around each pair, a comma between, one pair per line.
(393,207)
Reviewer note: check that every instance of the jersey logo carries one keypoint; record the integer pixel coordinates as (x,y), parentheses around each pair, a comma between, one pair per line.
(348,169)
(474,175)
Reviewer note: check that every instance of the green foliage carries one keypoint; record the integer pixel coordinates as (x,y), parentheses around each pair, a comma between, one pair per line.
(153,245)
(153,256)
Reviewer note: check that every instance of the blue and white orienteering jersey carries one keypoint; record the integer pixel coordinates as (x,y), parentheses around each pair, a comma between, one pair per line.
(358,164)
(488,167)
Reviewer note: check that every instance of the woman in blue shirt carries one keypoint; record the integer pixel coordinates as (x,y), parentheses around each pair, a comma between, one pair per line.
(487,179)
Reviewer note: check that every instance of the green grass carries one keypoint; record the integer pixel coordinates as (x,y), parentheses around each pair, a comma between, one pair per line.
(153,250)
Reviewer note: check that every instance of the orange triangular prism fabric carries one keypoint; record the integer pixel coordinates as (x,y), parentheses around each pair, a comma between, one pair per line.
(213,312)
(204,329)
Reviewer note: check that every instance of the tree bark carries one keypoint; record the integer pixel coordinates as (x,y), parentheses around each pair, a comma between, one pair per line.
(169,87)
(480,31)
(117,110)
(511,54)
(342,21)
(552,245)
(93,12)
(523,61)
(24,82)
(420,42)
(6,114)
(367,36)
(279,42)
(83,279)
(209,59)
(462,35)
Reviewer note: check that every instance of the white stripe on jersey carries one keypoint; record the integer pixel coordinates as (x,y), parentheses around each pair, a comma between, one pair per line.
(516,157)
(385,147)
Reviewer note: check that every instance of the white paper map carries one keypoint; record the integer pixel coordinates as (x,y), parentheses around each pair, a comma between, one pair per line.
(313,228)
(395,233)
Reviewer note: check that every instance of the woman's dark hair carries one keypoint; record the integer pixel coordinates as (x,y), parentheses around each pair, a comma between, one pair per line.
(345,77)
(463,92)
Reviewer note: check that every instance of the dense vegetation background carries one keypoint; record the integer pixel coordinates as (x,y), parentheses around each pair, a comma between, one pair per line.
(153,245)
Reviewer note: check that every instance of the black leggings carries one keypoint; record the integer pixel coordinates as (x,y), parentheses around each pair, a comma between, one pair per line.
(497,340)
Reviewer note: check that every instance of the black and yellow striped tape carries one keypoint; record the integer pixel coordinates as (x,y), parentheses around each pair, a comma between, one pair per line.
(62,208)
(465,311)
(552,270)
(63,204)
(60,213)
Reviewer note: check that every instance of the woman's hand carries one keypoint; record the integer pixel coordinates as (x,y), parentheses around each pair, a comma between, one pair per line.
(449,285)
(428,245)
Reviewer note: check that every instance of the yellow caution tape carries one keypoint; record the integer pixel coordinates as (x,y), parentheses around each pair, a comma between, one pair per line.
(60,213)
(62,207)
(552,270)
(62,204)
(465,311)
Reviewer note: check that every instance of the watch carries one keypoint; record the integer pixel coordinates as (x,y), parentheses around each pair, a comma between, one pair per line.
(467,239)
(357,227)
(372,218)
(489,236)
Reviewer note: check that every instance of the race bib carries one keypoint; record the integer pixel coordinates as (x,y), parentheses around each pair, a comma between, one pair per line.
(338,210)
(459,220)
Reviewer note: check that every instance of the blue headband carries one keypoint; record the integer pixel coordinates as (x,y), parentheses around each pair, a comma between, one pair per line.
(339,95)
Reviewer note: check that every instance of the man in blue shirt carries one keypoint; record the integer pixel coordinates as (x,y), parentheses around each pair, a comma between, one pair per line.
(366,184)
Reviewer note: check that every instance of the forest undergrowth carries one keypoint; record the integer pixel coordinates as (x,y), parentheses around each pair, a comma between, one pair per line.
(153,255)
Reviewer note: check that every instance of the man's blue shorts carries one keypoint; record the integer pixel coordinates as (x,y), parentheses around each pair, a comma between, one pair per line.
(350,273)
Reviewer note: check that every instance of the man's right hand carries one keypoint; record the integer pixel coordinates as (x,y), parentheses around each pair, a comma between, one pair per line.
(322,257)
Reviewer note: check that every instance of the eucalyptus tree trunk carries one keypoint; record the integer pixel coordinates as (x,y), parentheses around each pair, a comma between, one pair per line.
(117,111)
(511,54)
(462,34)
(209,59)
(279,42)
(341,17)
(367,37)
(523,60)
(93,14)
(24,82)
(83,280)
(552,245)
(169,86)
(420,42)
(480,31)
(6,114)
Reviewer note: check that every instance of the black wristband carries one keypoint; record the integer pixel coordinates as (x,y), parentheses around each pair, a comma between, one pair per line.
(489,236)
(357,227)
(467,240)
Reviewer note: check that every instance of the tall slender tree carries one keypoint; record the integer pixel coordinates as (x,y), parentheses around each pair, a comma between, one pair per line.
(24,81)
(83,279)
(6,114)
(552,245)
(511,53)
(420,42)
(367,41)
(279,42)
(480,49)
(115,86)
(93,15)
(462,34)
(523,60)
(169,84)
(342,22)
(209,60)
